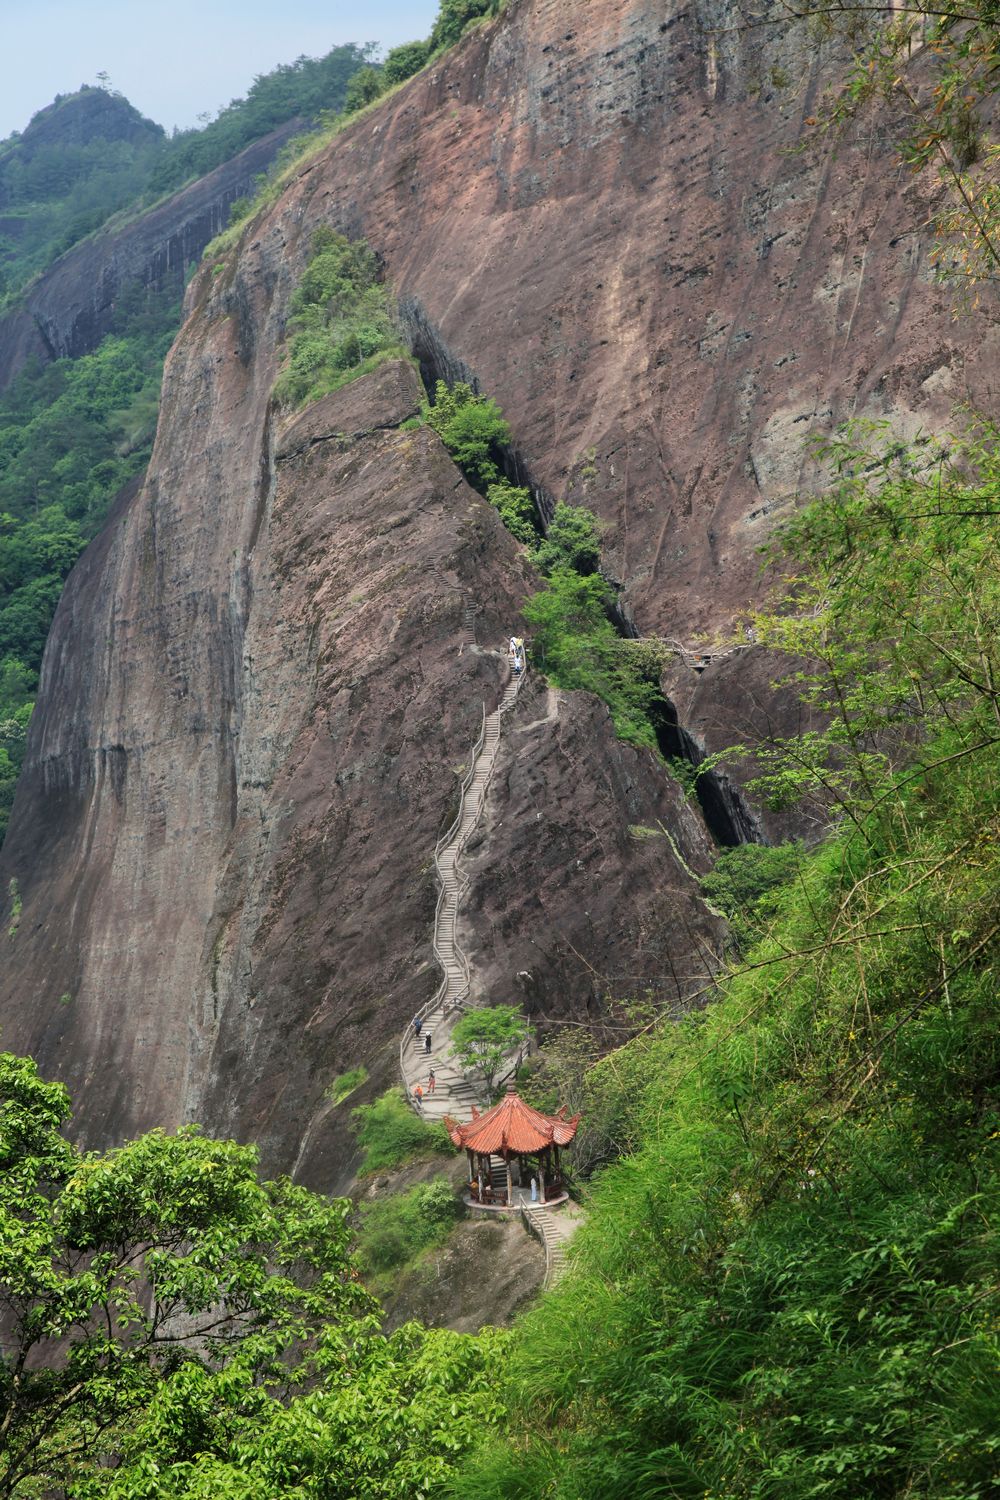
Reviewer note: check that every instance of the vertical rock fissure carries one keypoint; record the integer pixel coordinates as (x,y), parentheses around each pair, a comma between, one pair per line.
(728,816)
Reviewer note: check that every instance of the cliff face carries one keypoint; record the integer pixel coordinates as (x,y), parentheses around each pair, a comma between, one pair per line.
(69,309)
(256,704)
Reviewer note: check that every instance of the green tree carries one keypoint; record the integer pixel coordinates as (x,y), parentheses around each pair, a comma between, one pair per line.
(364,88)
(388,1420)
(341,320)
(454,16)
(572,540)
(516,509)
(484,1039)
(472,428)
(166,1263)
(405,60)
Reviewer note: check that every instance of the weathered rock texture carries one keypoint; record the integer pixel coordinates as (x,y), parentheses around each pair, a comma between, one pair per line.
(253,708)
(70,308)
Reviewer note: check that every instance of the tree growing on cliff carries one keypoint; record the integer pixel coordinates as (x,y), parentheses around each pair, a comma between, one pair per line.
(472,428)
(484,1039)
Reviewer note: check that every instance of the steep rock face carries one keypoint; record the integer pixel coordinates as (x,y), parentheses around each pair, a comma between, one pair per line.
(598,215)
(254,706)
(257,704)
(70,308)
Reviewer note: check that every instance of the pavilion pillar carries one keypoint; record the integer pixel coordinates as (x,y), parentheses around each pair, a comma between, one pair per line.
(510,1185)
(541,1179)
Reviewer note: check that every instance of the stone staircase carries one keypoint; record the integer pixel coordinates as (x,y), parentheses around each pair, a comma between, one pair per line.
(555,1230)
(454,1093)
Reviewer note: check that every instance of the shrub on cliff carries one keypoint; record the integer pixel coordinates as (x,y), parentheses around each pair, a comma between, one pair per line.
(572,540)
(455,16)
(364,88)
(389,1133)
(472,429)
(341,320)
(516,509)
(575,644)
(403,61)
(394,1231)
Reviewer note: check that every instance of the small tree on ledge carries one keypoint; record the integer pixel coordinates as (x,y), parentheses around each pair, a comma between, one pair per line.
(484,1039)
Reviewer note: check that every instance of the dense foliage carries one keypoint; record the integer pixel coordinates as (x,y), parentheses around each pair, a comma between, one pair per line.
(79,161)
(394,1231)
(389,1133)
(790,1287)
(165,1264)
(341,321)
(175,1327)
(305,89)
(746,884)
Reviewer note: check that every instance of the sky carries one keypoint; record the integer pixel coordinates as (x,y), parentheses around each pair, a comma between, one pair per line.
(175,59)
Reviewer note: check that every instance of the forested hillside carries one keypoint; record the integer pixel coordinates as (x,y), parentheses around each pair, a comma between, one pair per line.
(90,154)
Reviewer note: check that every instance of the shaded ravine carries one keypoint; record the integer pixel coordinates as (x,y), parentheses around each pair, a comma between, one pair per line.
(728,816)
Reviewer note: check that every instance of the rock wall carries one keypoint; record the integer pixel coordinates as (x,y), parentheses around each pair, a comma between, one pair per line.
(254,711)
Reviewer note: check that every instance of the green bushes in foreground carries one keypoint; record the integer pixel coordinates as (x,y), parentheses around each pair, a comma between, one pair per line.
(790,1288)
(394,1231)
(389,1133)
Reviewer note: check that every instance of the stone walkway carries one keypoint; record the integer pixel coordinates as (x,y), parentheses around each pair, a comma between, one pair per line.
(455,1092)
(555,1229)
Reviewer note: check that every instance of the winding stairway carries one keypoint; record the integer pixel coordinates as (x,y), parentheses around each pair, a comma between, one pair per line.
(454,1093)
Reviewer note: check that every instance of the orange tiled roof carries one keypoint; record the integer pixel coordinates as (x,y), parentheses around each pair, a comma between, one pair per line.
(512,1126)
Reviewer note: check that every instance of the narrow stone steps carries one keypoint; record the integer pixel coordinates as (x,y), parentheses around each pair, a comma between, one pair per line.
(454,1093)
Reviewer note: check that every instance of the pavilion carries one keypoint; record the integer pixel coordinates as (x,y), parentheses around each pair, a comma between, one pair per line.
(527,1141)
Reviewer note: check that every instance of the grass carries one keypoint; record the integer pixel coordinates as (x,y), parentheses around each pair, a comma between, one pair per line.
(395,1232)
(345,1084)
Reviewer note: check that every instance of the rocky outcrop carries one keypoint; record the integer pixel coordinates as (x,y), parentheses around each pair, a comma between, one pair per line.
(254,712)
(69,309)
(253,719)
(603,219)
(80,119)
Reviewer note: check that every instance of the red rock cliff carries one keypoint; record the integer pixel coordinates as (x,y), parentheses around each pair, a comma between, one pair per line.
(254,700)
